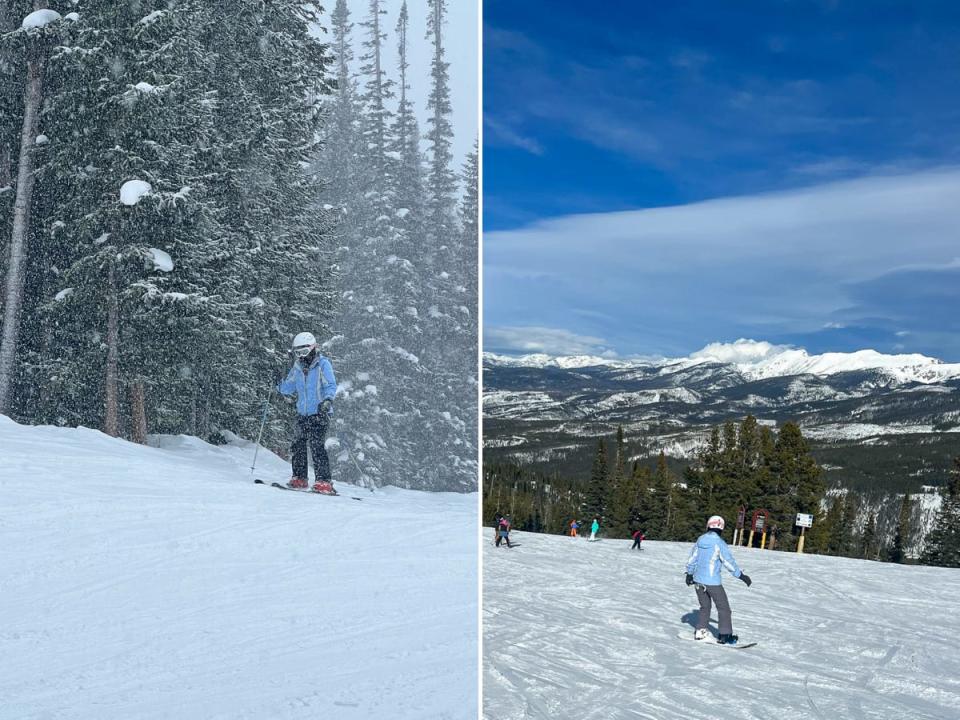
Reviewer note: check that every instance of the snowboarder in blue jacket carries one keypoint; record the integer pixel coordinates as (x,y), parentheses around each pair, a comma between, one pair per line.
(311,379)
(703,570)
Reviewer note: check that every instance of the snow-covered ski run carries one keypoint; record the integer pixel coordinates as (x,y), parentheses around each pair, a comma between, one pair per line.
(573,629)
(161,583)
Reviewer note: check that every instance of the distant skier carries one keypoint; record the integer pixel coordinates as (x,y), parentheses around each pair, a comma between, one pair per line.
(311,379)
(638,538)
(503,534)
(574,526)
(496,526)
(703,569)
(594,529)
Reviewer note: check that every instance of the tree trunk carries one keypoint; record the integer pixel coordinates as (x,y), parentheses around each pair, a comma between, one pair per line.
(111,424)
(138,412)
(16,270)
(203,430)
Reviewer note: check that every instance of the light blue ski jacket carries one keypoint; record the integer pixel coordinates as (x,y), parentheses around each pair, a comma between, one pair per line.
(707,556)
(312,386)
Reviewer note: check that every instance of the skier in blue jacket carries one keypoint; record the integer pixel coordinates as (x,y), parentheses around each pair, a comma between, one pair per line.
(703,569)
(311,379)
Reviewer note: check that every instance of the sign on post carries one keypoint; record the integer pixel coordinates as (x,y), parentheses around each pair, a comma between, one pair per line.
(803,522)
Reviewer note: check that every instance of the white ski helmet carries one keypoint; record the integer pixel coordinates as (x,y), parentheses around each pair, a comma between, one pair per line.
(715,523)
(304,344)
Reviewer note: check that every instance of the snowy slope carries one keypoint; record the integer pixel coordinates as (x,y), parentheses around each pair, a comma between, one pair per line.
(144,582)
(574,629)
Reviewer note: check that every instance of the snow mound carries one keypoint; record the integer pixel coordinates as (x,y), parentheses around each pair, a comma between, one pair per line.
(133,190)
(39,19)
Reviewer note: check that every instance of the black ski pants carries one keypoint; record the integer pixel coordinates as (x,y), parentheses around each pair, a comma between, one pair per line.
(636,544)
(715,593)
(311,431)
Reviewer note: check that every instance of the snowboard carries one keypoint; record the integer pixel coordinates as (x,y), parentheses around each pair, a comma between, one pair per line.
(713,641)
(281,486)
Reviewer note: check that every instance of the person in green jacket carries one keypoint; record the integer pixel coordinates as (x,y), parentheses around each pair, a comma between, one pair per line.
(594,529)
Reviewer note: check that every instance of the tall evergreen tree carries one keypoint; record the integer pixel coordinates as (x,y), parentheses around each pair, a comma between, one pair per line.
(595,499)
(901,536)
(943,542)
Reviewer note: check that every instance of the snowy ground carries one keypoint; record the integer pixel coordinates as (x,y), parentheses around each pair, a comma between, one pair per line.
(147,583)
(574,629)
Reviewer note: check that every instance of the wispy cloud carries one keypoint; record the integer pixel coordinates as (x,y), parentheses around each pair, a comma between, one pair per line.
(551,341)
(817,262)
(498,132)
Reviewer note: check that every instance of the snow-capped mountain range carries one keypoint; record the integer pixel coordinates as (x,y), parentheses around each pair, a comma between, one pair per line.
(757,360)
(539,408)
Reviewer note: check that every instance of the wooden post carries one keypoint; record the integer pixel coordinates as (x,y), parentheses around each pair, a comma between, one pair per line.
(763,539)
(750,541)
(800,543)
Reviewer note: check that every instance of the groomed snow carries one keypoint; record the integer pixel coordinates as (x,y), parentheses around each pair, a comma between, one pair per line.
(160,582)
(574,629)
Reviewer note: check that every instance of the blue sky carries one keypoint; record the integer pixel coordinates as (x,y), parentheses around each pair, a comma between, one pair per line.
(659,176)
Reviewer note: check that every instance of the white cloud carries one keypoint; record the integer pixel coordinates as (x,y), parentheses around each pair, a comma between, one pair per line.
(769,265)
(742,351)
(501,133)
(550,341)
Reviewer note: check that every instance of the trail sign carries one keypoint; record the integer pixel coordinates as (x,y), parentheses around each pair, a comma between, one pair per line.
(804,520)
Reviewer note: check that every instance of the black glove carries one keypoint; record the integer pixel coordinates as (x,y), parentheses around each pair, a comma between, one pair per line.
(326,406)
(689,579)
(280,375)
(746,579)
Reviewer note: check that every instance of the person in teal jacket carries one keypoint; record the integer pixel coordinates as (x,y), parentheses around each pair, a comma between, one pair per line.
(709,554)
(312,380)
(594,529)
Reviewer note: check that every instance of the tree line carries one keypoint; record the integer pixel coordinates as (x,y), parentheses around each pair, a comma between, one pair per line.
(744,465)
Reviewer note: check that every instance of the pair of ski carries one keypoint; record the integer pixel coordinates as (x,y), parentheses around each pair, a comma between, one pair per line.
(280,486)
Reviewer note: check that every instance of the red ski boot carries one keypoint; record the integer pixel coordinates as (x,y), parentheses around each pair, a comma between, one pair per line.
(297,483)
(324,487)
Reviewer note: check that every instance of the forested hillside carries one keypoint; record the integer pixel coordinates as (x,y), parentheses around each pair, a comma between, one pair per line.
(185,186)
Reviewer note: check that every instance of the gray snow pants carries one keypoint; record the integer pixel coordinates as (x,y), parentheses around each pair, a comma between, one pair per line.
(715,593)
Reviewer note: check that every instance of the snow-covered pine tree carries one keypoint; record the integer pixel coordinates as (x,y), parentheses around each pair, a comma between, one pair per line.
(451,332)
(267,82)
(943,542)
(222,259)
(39,32)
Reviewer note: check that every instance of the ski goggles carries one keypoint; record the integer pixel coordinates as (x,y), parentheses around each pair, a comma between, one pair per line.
(303,350)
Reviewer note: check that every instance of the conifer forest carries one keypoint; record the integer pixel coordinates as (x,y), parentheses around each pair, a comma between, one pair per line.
(185,186)
(742,465)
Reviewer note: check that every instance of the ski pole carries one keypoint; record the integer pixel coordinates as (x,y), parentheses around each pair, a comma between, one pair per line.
(263,422)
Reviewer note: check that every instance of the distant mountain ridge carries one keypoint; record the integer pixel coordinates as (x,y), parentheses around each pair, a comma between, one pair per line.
(756,360)
(548,411)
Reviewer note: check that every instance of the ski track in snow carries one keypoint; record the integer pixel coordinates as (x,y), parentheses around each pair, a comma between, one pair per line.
(143,582)
(589,631)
